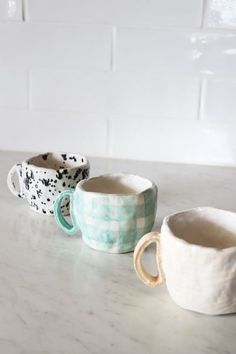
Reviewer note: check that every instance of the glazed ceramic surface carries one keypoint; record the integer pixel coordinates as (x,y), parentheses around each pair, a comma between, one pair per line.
(40,179)
(112,211)
(196,255)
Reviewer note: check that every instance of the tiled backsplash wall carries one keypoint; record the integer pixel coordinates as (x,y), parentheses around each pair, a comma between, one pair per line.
(137,79)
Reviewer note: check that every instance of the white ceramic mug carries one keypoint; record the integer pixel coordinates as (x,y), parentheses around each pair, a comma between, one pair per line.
(41,178)
(196,257)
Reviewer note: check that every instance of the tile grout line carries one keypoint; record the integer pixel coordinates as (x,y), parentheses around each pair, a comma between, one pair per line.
(23,9)
(201,99)
(203,14)
(30,108)
(113,48)
(109,138)
(162,28)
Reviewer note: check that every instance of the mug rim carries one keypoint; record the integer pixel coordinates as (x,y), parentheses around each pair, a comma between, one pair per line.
(83,166)
(80,184)
(183,242)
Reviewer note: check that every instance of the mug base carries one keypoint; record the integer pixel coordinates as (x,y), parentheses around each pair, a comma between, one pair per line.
(210,308)
(109,248)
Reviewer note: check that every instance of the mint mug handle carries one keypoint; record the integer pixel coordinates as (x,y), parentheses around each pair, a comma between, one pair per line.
(16,170)
(60,219)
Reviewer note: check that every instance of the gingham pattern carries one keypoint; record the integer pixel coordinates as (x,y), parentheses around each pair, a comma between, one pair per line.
(114,223)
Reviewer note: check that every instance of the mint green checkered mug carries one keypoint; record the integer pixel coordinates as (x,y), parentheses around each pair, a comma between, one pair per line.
(112,211)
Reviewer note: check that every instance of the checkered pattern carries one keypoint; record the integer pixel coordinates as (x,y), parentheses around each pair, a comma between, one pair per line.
(114,223)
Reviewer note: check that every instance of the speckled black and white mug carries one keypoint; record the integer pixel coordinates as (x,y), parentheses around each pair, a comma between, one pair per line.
(41,178)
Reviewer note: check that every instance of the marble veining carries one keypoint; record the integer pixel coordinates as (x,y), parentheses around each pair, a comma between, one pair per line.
(58,296)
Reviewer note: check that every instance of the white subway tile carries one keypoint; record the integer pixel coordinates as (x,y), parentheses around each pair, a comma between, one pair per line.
(53,131)
(190,53)
(152,13)
(119,93)
(13,89)
(10,10)
(221,14)
(219,101)
(218,53)
(154,95)
(151,50)
(162,140)
(55,45)
(85,92)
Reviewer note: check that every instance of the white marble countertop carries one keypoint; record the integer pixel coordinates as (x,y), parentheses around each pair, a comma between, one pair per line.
(58,296)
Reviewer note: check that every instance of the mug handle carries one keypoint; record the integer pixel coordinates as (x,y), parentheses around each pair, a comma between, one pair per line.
(15,170)
(144,242)
(60,219)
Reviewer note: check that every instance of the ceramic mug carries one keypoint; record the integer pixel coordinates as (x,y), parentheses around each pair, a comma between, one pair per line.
(113,211)
(41,178)
(196,257)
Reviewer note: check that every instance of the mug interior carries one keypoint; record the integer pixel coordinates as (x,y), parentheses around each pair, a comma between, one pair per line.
(207,227)
(116,184)
(57,161)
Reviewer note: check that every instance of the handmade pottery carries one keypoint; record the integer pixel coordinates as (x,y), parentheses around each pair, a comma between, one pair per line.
(196,257)
(41,178)
(113,211)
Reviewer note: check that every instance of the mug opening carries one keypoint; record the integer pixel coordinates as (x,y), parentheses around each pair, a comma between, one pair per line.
(57,161)
(207,227)
(121,184)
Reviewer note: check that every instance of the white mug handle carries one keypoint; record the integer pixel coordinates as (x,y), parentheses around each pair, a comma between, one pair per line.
(16,170)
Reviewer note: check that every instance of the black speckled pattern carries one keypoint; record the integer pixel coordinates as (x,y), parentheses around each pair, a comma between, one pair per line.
(43,184)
